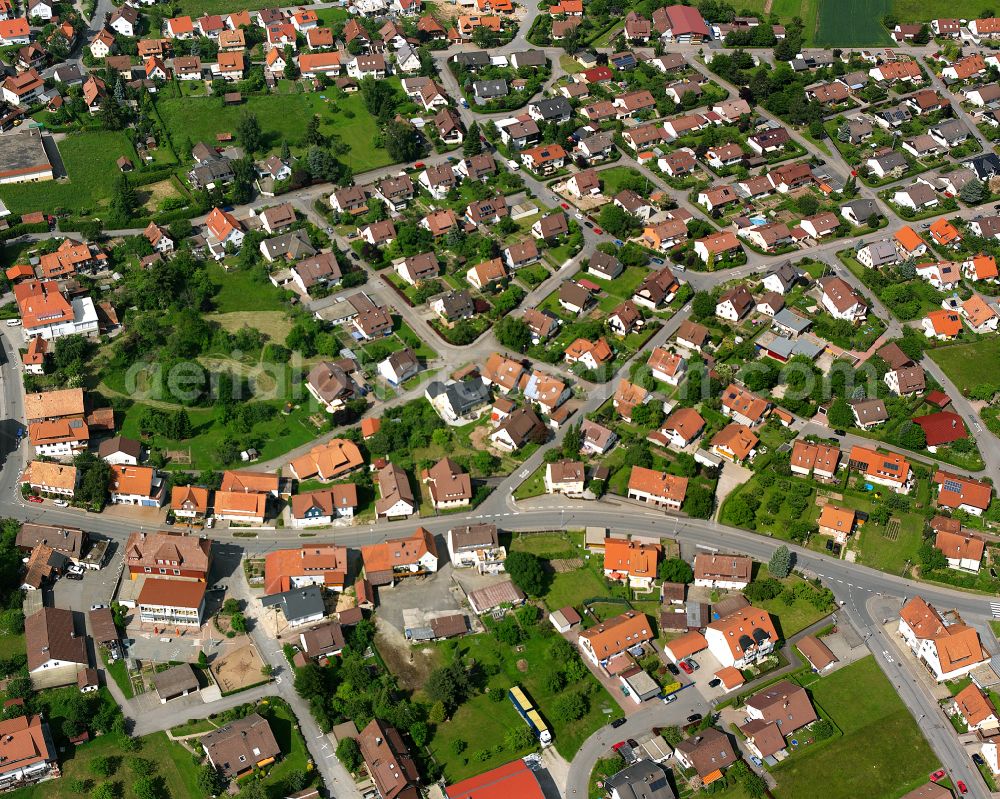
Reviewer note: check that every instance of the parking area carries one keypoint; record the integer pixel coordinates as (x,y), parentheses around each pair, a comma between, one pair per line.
(96,587)
(430,593)
(177,644)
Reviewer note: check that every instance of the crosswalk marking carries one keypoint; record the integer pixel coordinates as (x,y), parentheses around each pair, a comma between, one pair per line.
(995,609)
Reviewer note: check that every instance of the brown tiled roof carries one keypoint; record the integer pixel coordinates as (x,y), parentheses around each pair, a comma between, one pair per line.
(49,635)
(241,744)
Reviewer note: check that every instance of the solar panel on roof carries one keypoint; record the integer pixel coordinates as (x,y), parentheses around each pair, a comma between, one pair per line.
(890,466)
(953,485)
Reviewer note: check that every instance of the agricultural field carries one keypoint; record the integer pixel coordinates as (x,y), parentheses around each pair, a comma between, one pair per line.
(926,10)
(851,23)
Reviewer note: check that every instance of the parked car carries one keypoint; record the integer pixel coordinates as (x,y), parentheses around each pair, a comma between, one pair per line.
(618,746)
(74,576)
(962,787)
(598,231)
(564,206)
(33,498)
(98,607)
(978,759)
(669,698)
(694,717)
(617,723)
(692,663)
(715,682)
(937,775)
(673,669)
(685,667)
(13,323)
(61,503)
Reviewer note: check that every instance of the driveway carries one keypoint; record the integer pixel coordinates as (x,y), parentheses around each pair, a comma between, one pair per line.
(96,587)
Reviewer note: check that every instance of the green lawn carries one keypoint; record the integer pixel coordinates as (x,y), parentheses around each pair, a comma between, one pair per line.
(282,117)
(11,645)
(170,761)
(532,487)
(481,722)
(567,588)
(89,159)
(623,286)
(241,290)
(964,363)
(194,727)
(793,618)
(278,434)
(890,555)
(613,178)
(881,753)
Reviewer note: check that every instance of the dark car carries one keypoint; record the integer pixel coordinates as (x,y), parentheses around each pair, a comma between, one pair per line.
(694,717)
(632,742)
(673,669)
(617,723)
(978,759)
(715,682)
(73,576)
(355,256)
(840,433)
(588,224)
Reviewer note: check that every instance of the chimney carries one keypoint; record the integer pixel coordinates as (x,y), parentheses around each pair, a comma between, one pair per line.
(378,741)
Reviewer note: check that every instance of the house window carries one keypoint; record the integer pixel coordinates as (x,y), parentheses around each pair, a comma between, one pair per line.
(177,571)
(163,571)
(148,570)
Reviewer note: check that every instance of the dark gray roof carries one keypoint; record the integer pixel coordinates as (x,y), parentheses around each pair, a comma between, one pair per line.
(292,245)
(476,58)
(299,603)
(490,88)
(984,165)
(175,681)
(642,780)
(528,58)
(464,396)
(553,107)
(790,320)
(786,274)
(862,209)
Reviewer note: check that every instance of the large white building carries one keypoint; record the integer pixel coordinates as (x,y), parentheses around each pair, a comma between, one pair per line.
(742,638)
(948,649)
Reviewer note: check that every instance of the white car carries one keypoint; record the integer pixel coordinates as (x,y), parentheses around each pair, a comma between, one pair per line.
(13,323)
(578,215)
(514,165)
(61,503)
(98,607)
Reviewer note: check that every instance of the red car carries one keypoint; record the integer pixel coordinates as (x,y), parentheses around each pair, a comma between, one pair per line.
(33,498)
(618,745)
(685,667)
(937,775)
(565,207)
(598,231)
(419,165)
(962,787)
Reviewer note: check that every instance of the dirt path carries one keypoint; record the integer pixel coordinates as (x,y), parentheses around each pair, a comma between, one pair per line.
(767,7)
